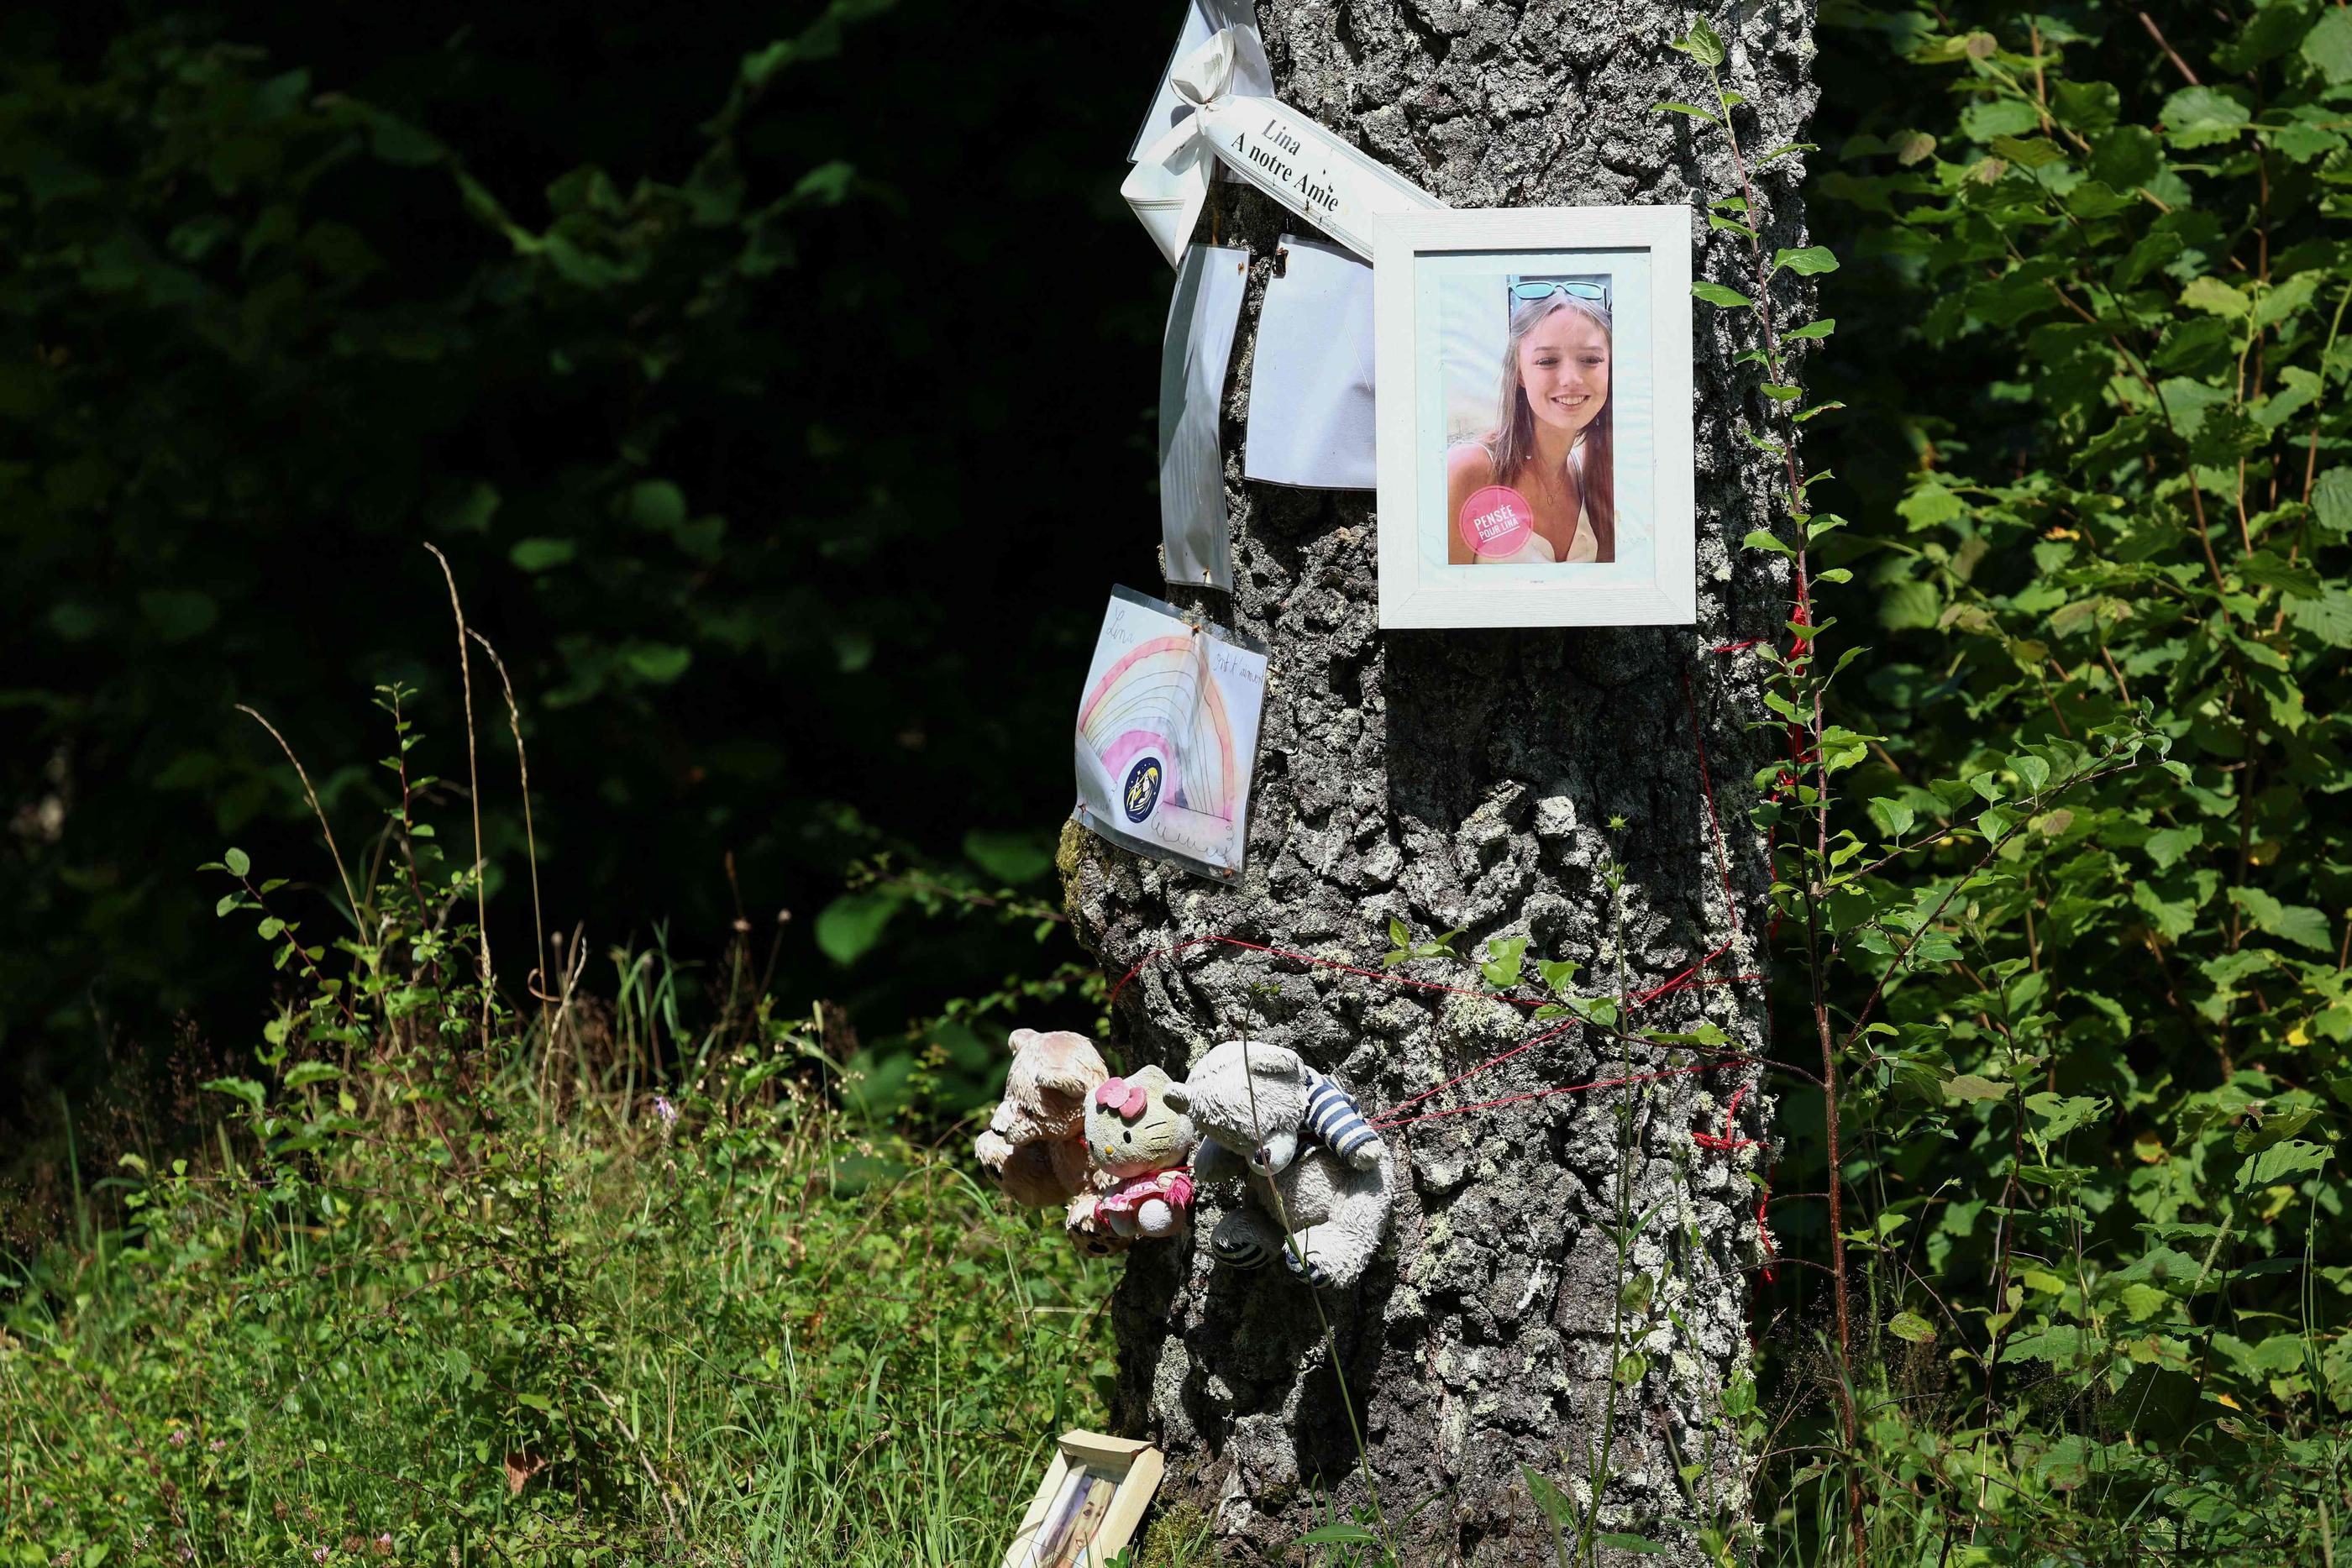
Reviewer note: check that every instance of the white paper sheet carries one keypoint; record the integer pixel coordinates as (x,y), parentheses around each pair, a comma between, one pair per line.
(1167,736)
(1203,19)
(1280,151)
(1198,345)
(1310,404)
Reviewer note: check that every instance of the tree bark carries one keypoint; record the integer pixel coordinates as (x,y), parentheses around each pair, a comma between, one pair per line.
(1477,780)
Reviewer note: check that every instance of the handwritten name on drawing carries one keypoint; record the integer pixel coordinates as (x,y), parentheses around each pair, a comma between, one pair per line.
(1234,665)
(1273,152)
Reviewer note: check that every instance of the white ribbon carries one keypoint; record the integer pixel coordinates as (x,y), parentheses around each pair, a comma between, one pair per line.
(1275,148)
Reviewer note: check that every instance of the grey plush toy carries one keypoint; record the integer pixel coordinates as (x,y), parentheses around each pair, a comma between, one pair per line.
(1307,1153)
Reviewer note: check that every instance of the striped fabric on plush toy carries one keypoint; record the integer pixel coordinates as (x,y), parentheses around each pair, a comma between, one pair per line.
(1332,1116)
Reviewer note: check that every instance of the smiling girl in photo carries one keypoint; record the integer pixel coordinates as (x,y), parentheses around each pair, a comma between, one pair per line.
(1551,443)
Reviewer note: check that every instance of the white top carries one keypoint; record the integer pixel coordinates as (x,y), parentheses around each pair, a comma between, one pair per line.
(1538,551)
(1583,549)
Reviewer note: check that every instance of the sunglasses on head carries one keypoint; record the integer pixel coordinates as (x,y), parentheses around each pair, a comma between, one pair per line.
(1545,290)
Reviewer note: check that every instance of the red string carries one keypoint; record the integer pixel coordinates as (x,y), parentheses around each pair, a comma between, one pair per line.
(1393,1120)
(1726,1142)
(1395,1117)
(1326,963)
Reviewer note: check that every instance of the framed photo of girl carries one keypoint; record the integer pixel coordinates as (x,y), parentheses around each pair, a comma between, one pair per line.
(1536,457)
(1089,1504)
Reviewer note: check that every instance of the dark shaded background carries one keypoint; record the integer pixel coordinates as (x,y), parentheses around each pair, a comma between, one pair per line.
(780,394)
(778,382)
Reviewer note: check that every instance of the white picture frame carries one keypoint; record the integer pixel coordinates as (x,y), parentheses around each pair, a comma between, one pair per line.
(1435,334)
(1087,1506)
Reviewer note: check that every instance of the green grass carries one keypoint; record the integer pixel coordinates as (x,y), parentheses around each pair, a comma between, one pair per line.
(757,1337)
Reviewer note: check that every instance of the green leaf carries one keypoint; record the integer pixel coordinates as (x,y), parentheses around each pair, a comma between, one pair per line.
(236,861)
(2331,500)
(1639,1545)
(2277,1163)
(1716,294)
(227,906)
(2057,1115)
(2066,1464)
(2327,617)
(2328,44)
(1912,1327)
(2028,151)
(1331,1533)
(1766,540)
(2212,295)
(307,1073)
(1549,1498)
(2267,570)
(1821,328)
(2165,846)
(1894,816)
(660,663)
(655,503)
(243,1089)
(1009,857)
(1702,45)
(1811,259)
(2199,115)
(848,928)
(1503,960)
(1692,110)
(1558,973)
(1964,1087)
(2296,922)
(535,555)
(1989,119)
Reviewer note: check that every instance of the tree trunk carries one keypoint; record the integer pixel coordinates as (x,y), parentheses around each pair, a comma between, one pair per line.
(1544,784)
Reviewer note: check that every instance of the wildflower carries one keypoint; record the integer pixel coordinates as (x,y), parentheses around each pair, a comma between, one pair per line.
(666,1110)
(179,1437)
(217,1444)
(384,1545)
(319,1555)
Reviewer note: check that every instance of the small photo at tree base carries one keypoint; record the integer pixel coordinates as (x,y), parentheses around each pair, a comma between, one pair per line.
(1087,1506)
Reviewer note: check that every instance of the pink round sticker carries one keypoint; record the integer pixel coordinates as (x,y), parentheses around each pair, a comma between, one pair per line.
(1496,520)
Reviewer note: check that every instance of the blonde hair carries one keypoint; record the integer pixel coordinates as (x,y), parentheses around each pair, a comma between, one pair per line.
(1513,445)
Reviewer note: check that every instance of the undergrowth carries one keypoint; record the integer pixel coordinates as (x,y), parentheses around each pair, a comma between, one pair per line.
(459,1279)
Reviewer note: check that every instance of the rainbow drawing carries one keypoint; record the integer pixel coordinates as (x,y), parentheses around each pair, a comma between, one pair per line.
(1167,736)
(1159,700)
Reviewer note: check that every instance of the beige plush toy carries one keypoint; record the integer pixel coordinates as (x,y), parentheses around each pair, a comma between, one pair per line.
(1141,1142)
(1035,1145)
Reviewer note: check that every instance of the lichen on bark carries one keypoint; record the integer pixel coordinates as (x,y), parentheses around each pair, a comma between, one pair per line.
(1470,779)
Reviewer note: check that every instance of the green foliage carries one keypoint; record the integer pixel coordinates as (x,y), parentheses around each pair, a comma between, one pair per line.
(457,1282)
(637,322)
(2060,867)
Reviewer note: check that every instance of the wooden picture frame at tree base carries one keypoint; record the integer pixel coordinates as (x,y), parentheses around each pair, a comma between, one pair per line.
(1535,462)
(1088,1505)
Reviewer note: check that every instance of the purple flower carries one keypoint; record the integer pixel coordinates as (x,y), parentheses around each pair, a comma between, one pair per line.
(666,1110)
(179,1437)
(320,1555)
(217,1444)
